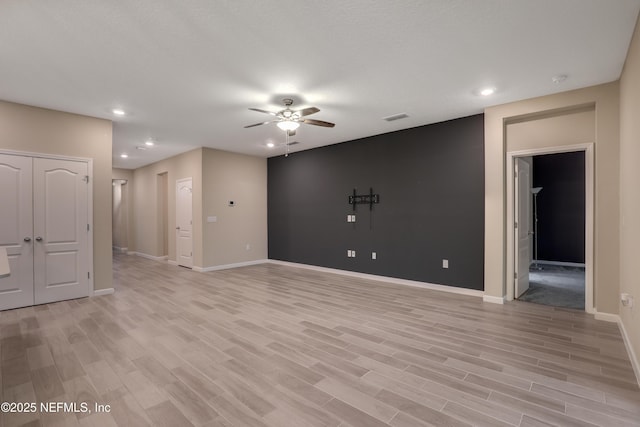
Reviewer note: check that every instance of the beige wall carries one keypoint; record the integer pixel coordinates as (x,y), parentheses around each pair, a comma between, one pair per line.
(629,191)
(566,128)
(218,177)
(550,113)
(123,236)
(243,179)
(146,210)
(38,130)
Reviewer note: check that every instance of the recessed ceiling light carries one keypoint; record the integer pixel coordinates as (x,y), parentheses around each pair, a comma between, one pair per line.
(118,112)
(124,155)
(270,144)
(149,143)
(487,91)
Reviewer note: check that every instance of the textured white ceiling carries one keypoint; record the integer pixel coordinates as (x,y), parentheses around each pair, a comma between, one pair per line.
(186,71)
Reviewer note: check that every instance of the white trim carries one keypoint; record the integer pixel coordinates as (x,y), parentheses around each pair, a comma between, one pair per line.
(228,266)
(607,317)
(92,275)
(147,256)
(393,280)
(589,215)
(614,318)
(492,299)
(100,292)
(45,156)
(172,262)
(562,263)
(121,250)
(635,362)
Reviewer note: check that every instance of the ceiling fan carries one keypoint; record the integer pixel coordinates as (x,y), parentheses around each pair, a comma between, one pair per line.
(289,120)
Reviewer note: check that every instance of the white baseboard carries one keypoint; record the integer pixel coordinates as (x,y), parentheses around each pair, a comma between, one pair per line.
(635,362)
(560,263)
(119,249)
(172,262)
(607,317)
(147,256)
(393,280)
(228,266)
(100,292)
(492,299)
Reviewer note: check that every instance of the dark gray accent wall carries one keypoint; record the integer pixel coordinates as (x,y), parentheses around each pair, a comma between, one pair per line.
(561,206)
(431,185)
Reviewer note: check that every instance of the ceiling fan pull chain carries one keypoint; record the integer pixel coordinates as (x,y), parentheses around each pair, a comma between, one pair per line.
(286,154)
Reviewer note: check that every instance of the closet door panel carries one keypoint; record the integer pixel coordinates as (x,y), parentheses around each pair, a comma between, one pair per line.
(16,230)
(60,227)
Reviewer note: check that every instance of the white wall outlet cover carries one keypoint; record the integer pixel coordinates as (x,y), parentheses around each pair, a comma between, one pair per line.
(373,255)
(349,253)
(348,218)
(353,218)
(445,263)
(353,254)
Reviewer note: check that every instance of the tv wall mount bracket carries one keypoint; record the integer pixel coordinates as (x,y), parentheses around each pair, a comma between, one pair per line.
(364,199)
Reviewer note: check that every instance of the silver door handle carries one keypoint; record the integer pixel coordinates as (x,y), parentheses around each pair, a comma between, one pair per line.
(177,228)
(39,239)
(27,239)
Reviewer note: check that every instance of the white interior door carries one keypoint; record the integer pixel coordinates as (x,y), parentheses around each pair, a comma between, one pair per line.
(184,222)
(523,230)
(16,230)
(60,206)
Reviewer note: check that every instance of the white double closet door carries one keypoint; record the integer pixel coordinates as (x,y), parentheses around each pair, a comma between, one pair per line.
(44,227)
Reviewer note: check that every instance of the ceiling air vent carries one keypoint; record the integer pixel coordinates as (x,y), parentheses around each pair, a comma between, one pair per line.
(396,117)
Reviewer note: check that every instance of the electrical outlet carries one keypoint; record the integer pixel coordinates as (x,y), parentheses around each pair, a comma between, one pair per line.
(445,263)
(626,300)
(374,255)
(353,218)
(348,253)
(353,254)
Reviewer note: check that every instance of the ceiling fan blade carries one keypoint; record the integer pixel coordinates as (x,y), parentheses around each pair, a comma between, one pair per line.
(307,111)
(263,111)
(257,124)
(318,123)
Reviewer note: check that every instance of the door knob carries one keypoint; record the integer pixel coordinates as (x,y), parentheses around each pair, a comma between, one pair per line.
(27,239)
(39,239)
(177,228)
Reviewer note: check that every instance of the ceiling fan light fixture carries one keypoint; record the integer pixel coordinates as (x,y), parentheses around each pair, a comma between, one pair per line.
(288,125)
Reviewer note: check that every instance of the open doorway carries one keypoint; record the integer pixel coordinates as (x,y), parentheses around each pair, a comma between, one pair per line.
(557,269)
(162,228)
(551,209)
(120,217)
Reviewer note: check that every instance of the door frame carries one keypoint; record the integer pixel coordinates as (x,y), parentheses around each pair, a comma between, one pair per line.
(588,150)
(89,162)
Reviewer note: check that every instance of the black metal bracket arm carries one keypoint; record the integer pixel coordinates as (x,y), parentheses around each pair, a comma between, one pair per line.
(361,199)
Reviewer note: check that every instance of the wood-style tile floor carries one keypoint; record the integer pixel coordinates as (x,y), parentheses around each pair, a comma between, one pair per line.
(269,345)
